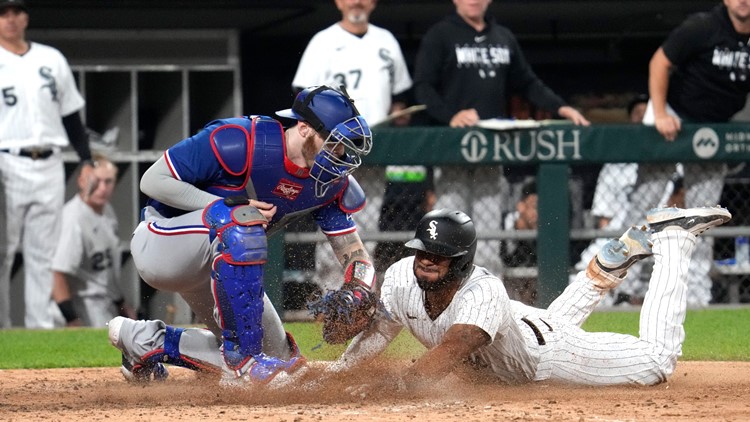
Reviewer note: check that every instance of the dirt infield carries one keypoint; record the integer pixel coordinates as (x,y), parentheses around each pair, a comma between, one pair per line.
(705,391)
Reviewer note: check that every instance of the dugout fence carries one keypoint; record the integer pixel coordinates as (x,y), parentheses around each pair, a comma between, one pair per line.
(483,172)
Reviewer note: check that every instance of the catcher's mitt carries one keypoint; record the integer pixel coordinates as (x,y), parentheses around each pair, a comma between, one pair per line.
(346,312)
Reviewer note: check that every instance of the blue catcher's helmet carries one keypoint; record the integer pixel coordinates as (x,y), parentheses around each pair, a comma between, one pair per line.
(333,115)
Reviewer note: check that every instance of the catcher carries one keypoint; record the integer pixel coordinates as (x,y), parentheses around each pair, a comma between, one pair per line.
(214,199)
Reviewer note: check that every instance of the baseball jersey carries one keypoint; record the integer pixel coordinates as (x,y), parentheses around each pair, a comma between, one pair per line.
(37,89)
(458,68)
(481,300)
(371,67)
(88,251)
(712,67)
(236,155)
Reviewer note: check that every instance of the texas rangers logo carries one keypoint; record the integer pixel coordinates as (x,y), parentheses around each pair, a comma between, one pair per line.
(287,189)
(433,230)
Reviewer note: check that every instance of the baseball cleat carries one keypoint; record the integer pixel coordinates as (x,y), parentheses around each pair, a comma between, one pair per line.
(131,369)
(260,369)
(618,255)
(269,371)
(694,220)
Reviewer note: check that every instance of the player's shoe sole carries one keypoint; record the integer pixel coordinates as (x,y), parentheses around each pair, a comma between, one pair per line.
(620,254)
(694,220)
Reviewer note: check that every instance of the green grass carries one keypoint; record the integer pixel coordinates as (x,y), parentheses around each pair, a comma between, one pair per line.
(712,334)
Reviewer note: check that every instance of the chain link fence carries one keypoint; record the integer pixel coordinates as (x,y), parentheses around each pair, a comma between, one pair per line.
(502,203)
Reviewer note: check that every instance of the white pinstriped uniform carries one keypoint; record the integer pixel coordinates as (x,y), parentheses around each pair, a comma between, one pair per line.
(36,90)
(568,354)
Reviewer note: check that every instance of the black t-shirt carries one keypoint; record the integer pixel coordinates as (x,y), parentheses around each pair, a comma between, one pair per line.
(711,80)
(459,68)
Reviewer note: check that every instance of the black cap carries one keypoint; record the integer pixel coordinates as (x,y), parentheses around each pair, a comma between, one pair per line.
(20,4)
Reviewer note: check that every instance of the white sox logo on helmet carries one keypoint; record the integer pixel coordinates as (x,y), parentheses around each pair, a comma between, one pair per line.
(433,230)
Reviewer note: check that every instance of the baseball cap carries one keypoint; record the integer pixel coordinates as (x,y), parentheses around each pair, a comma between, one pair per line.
(21,4)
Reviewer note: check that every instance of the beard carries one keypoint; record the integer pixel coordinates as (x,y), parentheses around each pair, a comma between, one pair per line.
(309,151)
(357,17)
(431,286)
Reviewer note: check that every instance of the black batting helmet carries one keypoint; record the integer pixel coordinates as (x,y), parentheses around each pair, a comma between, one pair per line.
(448,233)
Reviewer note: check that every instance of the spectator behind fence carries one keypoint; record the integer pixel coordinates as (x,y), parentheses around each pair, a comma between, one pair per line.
(614,184)
(367,60)
(521,253)
(86,266)
(693,77)
(467,67)
(39,116)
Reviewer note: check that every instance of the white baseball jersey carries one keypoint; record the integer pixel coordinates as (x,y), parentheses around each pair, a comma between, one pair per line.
(371,67)
(531,344)
(37,89)
(88,253)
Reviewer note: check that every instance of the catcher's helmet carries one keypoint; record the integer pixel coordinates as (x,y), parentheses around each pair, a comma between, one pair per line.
(448,233)
(333,115)
(322,107)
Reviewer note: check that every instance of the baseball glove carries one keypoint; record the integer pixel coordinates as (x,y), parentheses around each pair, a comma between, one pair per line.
(346,312)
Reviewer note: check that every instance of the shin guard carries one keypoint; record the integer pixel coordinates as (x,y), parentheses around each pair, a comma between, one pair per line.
(241,250)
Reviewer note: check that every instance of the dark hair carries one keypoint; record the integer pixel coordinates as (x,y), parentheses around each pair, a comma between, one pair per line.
(640,98)
(529,188)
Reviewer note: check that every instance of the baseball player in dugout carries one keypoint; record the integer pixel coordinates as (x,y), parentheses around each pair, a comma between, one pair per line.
(215,197)
(364,58)
(86,265)
(461,313)
(39,115)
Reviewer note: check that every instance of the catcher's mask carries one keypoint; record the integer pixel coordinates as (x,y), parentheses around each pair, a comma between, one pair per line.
(332,114)
(451,234)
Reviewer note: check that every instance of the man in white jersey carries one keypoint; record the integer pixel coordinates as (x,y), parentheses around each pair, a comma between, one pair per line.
(86,265)
(366,60)
(462,313)
(38,117)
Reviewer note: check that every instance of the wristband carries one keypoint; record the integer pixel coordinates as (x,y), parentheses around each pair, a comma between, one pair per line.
(68,311)
(360,272)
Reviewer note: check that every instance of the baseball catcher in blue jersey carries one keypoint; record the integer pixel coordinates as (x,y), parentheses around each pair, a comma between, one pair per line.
(214,198)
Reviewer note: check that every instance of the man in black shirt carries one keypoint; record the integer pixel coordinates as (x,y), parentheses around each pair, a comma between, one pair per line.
(468,65)
(699,74)
(466,70)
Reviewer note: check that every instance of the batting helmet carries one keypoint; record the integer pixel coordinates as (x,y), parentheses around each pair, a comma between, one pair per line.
(448,233)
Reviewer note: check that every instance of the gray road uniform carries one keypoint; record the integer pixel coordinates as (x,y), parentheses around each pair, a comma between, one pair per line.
(89,254)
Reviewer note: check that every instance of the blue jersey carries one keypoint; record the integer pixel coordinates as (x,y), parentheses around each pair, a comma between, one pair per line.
(247,156)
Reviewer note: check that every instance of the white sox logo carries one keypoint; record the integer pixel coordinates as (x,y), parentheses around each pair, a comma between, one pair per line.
(287,189)
(433,230)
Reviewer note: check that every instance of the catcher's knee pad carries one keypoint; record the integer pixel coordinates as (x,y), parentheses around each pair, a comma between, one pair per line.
(239,228)
(237,276)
